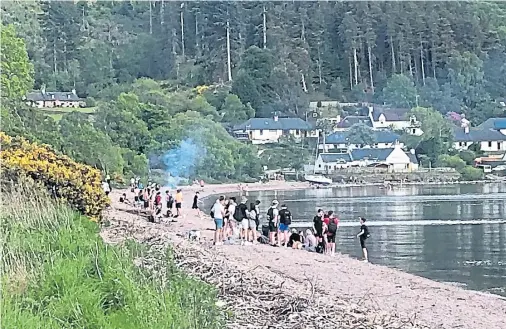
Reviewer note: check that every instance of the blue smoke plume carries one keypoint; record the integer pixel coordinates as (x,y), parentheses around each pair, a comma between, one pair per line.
(180,162)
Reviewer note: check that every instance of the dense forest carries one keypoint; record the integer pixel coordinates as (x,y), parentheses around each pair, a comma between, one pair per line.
(229,61)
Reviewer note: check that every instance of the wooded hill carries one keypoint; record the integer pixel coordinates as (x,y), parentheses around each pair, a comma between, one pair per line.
(276,55)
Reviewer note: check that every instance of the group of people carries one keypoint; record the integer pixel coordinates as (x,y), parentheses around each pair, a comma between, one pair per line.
(151,200)
(228,216)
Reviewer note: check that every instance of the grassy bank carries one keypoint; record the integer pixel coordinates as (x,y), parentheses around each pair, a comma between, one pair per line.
(58,273)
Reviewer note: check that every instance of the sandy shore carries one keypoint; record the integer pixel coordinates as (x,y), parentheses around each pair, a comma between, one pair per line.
(433,304)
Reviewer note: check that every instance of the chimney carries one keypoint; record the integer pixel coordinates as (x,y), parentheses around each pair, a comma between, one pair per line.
(276,118)
(74,91)
(412,151)
(466,129)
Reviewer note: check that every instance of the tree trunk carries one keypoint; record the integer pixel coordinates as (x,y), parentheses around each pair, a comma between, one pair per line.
(433,59)
(162,19)
(150,18)
(351,72)
(65,56)
(229,64)
(302,30)
(370,67)
(394,69)
(355,65)
(421,61)
(182,30)
(410,64)
(401,61)
(304,87)
(173,42)
(54,56)
(319,69)
(197,32)
(264,27)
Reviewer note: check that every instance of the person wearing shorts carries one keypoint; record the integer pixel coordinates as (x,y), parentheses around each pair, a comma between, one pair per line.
(363,235)
(219,213)
(252,221)
(179,202)
(285,219)
(272,217)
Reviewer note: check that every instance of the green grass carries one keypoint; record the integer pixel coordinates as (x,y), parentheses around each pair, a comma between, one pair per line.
(57,112)
(69,109)
(57,273)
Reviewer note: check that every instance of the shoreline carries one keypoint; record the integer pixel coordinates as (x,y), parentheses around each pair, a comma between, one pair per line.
(376,287)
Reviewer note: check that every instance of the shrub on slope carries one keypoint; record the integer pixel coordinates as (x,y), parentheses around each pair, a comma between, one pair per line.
(77,184)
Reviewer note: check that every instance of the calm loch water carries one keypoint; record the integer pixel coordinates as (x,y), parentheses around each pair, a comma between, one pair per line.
(452,233)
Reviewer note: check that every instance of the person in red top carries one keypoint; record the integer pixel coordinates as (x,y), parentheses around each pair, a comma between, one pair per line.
(331,223)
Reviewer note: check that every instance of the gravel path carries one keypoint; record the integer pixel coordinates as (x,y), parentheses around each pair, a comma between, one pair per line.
(434,304)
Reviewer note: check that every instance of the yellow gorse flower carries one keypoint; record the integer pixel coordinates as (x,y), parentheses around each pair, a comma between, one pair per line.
(78,184)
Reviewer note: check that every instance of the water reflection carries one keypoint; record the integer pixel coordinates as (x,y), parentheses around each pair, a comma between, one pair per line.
(474,255)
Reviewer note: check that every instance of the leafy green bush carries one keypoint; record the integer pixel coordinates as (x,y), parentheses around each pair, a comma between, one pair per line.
(471,173)
(57,273)
(468,156)
(452,161)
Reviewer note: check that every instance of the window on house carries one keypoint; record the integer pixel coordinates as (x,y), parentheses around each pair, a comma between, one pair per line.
(489,144)
(319,166)
(413,131)
(498,145)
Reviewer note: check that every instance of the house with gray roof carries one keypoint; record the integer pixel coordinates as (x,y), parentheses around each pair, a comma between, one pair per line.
(395,118)
(490,136)
(270,130)
(351,120)
(46,99)
(340,142)
(394,158)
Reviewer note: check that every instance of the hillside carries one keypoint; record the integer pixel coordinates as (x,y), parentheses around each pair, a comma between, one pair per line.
(160,72)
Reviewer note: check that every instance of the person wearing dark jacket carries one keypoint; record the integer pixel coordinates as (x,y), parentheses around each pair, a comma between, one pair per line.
(285,219)
(241,216)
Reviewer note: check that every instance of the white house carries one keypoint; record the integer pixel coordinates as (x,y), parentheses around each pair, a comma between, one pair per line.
(269,130)
(490,136)
(396,159)
(339,141)
(394,118)
(45,99)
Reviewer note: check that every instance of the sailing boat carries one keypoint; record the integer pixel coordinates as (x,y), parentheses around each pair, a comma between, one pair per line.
(318,179)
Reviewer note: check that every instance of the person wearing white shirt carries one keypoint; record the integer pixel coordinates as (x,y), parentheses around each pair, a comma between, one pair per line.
(218,213)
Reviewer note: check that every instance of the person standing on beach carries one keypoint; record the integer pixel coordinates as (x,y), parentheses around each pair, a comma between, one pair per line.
(195,204)
(241,216)
(169,202)
(218,212)
(253,218)
(257,211)
(179,202)
(106,187)
(285,219)
(363,235)
(272,217)
(332,225)
(318,228)
(229,215)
